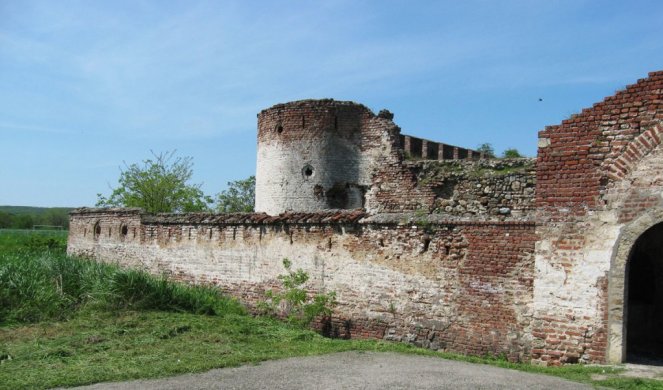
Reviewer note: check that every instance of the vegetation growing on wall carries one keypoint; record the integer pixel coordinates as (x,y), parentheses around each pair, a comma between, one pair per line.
(511,153)
(292,301)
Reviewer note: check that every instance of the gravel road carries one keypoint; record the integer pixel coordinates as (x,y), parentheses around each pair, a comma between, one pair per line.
(354,370)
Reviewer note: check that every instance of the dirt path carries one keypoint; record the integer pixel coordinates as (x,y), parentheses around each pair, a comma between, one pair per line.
(354,370)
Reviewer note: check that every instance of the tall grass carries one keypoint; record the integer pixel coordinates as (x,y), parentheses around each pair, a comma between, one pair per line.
(38,281)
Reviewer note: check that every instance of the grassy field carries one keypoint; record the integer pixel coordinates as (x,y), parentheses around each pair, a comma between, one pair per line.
(67,321)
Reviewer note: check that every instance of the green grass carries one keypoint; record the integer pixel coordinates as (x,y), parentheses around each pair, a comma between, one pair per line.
(67,321)
(112,346)
(16,240)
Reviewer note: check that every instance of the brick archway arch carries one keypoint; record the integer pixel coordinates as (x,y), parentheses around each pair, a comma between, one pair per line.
(635,151)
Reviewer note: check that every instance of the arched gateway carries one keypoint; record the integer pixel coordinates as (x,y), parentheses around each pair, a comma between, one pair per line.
(644,297)
(636,292)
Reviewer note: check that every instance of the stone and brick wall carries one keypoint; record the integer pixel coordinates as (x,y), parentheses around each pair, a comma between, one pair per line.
(517,257)
(455,286)
(597,172)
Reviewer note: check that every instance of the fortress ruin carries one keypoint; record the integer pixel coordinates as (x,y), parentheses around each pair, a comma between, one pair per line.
(552,260)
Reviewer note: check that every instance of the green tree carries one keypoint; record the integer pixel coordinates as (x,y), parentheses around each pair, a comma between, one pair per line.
(511,153)
(238,198)
(55,217)
(487,149)
(5,220)
(23,221)
(160,184)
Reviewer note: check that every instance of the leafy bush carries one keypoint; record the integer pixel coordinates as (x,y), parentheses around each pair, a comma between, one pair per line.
(293,303)
(511,153)
(487,149)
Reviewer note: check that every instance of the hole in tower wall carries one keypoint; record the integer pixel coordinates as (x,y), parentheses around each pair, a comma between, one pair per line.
(303,121)
(279,129)
(124,230)
(307,171)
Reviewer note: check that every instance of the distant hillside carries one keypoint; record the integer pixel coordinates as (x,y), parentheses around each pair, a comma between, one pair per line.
(26,217)
(18,210)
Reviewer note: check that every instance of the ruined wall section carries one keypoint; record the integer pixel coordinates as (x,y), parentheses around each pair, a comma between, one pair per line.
(596,172)
(451,286)
(492,189)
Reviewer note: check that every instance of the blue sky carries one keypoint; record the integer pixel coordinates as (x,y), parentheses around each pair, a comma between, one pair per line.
(87,85)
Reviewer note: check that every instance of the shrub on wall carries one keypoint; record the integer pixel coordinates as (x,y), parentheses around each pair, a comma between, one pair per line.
(293,302)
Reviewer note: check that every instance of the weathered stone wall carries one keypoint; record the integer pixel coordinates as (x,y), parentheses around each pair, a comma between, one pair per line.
(455,286)
(598,176)
(478,190)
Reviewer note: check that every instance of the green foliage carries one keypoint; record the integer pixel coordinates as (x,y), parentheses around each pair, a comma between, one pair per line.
(137,290)
(239,197)
(33,241)
(22,217)
(293,303)
(487,149)
(23,221)
(511,153)
(40,282)
(160,184)
(5,220)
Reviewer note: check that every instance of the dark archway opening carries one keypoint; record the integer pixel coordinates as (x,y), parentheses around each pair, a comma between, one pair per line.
(644,310)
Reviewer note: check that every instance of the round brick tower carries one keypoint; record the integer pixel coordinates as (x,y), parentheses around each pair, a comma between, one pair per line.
(310,156)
